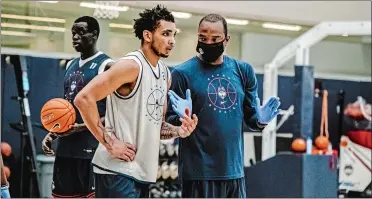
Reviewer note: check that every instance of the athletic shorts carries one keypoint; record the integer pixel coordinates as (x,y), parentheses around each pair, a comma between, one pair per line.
(118,186)
(214,188)
(73,178)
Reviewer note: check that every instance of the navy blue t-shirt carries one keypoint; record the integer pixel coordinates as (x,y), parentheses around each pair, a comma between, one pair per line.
(81,144)
(223,98)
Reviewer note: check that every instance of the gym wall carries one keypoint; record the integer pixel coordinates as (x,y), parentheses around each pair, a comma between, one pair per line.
(186,41)
(328,57)
(308,12)
(46,78)
(120,44)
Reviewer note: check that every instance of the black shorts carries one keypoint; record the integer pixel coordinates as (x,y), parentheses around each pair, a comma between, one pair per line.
(73,178)
(119,186)
(214,188)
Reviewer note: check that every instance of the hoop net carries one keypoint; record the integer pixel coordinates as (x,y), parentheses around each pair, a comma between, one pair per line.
(107,10)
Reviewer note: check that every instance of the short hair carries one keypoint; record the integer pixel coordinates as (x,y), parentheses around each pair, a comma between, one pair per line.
(92,23)
(215,18)
(150,20)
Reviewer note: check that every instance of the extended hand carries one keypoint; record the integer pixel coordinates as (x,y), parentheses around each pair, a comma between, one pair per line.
(188,125)
(268,111)
(75,128)
(179,105)
(47,144)
(122,150)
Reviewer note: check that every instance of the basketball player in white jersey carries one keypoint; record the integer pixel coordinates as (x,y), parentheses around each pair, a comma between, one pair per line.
(136,87)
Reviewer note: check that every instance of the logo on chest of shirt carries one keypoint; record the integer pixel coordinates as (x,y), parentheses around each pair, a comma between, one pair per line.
(155,104)
(75,83)
(222,93)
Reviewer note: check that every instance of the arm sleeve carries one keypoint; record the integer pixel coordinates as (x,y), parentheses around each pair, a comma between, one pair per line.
(249,104)
(178,86)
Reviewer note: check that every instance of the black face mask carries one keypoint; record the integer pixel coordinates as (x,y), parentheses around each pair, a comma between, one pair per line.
(210,52)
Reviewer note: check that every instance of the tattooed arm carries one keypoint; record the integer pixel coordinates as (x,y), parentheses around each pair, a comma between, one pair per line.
(169,131)
(122,72)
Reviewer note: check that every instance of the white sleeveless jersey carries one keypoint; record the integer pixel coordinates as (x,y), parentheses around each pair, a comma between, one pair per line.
(136,118)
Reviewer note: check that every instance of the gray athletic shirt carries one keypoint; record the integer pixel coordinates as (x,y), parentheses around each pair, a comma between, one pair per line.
(136,118)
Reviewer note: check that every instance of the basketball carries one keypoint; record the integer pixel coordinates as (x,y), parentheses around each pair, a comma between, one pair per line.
(298,145)
(322,142)
(57,115)
(316,151)
(6,149)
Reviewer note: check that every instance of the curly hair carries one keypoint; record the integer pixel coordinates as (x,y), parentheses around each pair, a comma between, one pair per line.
(150,20)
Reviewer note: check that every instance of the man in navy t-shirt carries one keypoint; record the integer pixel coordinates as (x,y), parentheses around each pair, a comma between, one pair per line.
(73,173)
(222,92)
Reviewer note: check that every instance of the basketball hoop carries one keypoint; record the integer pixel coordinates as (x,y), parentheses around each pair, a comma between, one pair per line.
(107,10)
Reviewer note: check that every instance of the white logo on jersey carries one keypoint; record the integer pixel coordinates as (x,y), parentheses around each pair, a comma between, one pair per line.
(76,83)
(94,65)
(222,94)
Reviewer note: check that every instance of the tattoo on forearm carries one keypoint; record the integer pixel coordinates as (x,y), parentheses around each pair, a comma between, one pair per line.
(168,131)
(105,136)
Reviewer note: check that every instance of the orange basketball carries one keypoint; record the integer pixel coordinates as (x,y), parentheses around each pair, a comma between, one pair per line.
(322,142)
(298,145)
(6,149)
(7,171)
(57,115)
(316,151)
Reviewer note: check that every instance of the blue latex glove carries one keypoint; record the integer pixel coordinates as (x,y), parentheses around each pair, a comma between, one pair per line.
(180,105)
(5,191)
(268,111)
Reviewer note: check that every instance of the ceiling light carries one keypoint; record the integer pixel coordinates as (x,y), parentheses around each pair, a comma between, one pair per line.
(49,1)
(281,26)
(33,27)
(33,18)
(104,7)
(116,25)
(237,22)
(181,15)
(17,33)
